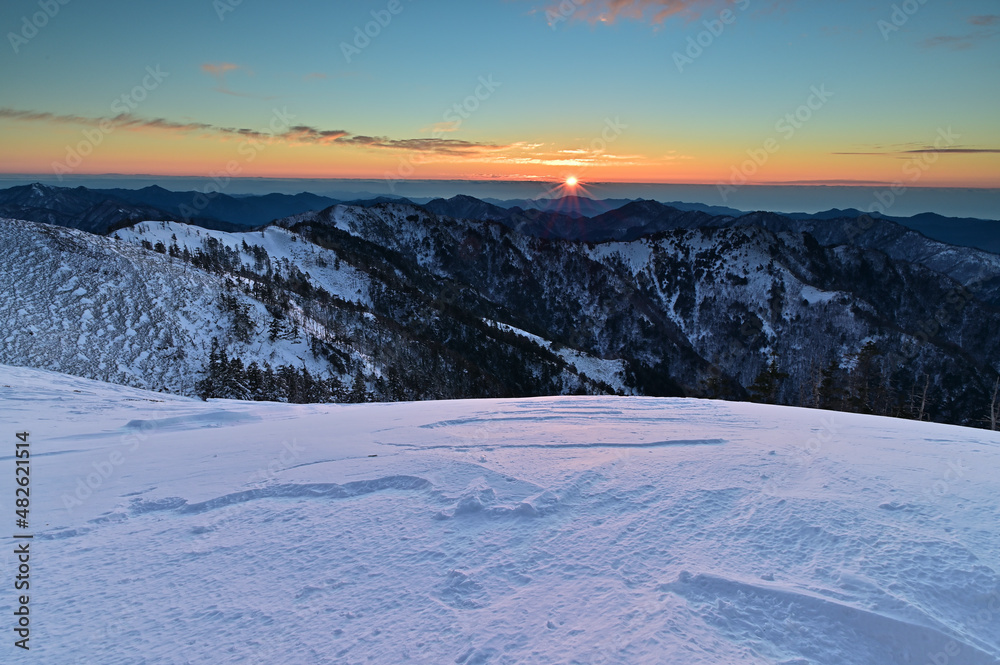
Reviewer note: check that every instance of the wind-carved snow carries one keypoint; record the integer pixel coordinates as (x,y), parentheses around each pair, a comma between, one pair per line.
(141,318)
(281,245)
(570,529)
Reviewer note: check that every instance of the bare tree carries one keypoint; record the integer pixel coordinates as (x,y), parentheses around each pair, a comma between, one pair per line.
(923,399)
(995,405)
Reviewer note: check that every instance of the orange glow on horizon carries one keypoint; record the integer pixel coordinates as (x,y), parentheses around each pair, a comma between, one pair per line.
(38,148)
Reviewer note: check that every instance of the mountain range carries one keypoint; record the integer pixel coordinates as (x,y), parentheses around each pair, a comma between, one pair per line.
(394,301)
(573,217)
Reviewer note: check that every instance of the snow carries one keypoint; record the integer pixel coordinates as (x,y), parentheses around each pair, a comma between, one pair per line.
(609,371)
(812,295)
(136,297)
(280,244)
(550,530)
(636,254)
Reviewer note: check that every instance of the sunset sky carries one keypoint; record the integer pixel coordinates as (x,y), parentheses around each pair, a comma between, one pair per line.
(664,91)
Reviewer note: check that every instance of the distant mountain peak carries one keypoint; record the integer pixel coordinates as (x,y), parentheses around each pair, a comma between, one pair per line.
(39,189)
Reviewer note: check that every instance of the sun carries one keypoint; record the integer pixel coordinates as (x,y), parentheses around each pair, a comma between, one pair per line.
(571,181)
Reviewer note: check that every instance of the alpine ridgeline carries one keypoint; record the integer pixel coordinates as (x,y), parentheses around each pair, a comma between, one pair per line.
(395,301)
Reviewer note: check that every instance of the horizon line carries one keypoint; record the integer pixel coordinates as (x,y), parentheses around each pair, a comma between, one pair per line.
(555,181)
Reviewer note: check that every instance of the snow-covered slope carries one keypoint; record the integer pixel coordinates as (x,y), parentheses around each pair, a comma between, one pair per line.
(144,306)
(552,530)
(388,302)
(98,307)
(280,247)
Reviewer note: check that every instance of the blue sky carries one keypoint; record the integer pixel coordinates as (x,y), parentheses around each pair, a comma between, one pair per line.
(892,87)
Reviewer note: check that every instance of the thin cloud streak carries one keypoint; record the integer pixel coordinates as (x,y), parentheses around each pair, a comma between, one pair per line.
(299,134)
(928,149)
(219,70)
(654,11)
(986,31)
(454,147)
(985,19)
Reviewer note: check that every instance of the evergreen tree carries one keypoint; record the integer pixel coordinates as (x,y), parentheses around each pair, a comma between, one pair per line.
(767,386)
(210,385)
(831,389)
(359,392)
(236,385)
(270,384)
(275,329)
(290,379)
(255,381)
(279,328)
(864,384)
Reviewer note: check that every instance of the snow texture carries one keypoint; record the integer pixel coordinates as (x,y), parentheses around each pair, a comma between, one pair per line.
(550,530)
(99,307)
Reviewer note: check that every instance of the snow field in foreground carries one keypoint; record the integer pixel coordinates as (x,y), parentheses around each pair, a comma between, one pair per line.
(553,530)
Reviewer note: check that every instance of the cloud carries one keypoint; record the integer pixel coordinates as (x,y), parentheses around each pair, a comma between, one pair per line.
(219,70)
(925,149)
(422,150)
(953,42)
(129,121)
(985,19)
(306,134)
(835,181)
(571,158)
(985,31)
(442,127)
(971,151)
(653,11)
(454,147)
(298,134)
(44,116)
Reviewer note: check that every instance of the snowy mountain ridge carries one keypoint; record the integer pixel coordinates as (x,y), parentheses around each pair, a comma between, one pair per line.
(389,301)
(99,307)
(145,318)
